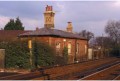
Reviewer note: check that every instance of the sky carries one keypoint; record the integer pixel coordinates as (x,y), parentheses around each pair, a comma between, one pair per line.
(84,15)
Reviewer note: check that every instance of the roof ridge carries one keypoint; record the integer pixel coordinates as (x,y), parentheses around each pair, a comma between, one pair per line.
(52,32)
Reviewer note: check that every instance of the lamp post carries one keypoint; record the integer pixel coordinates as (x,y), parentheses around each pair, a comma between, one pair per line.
(30,48)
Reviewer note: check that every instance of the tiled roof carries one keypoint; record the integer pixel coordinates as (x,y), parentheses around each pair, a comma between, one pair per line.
(10,34)
(51,32)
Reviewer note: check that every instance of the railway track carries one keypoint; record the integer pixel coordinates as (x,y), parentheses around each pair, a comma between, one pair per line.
(88,72)
(59,72)
(22,76)
(4,74)
(85,69)
(109,73)
(117,78)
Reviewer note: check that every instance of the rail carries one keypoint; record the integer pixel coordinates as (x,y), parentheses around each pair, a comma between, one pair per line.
(102,69)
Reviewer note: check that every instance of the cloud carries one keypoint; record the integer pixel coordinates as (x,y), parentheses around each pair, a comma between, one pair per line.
(96,27)
(89,15)
(90,11)
(3,21)
(22,8)
(29,24)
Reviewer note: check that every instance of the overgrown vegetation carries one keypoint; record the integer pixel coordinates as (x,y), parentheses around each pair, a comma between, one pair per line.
(17,54)
(111,42)
(44,55)
(115,51)
(62,60)
(65,54)
(113,30)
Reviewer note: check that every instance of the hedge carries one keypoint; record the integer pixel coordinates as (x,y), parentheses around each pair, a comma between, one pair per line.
(17,54)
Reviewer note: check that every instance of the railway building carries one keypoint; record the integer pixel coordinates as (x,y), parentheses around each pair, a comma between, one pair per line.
(58,39)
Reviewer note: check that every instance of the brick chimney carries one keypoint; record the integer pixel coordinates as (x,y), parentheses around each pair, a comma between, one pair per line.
(49,17)
(48,8)
(37,28)
(69,27)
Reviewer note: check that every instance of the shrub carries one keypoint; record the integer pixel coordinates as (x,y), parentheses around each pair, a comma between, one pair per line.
(59,60)
(17,54)
(44,55)
(65,54)
(115,52)
(62,60)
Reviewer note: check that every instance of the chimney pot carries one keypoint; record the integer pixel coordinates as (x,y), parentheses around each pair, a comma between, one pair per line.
(69,27)
(37,28)
(69,22)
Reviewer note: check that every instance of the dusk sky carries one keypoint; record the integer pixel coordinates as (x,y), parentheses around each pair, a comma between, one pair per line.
(88,15)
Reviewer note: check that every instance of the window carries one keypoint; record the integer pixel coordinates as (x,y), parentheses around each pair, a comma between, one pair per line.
(69,48)
(85,49)
(58,47)
(77,48)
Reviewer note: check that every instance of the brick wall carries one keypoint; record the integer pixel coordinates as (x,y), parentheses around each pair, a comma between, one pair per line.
(53,41)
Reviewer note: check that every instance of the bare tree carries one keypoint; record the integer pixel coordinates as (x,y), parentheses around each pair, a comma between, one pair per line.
(105,42)
(86,34)
(113,30)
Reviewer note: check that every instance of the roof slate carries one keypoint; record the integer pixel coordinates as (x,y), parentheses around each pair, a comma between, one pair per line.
(51,32)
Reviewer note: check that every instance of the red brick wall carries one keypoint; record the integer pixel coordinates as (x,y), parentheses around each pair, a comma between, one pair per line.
(53,40)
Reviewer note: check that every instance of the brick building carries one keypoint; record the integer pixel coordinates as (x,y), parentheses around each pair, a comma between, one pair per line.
(11,35)
(58,39)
